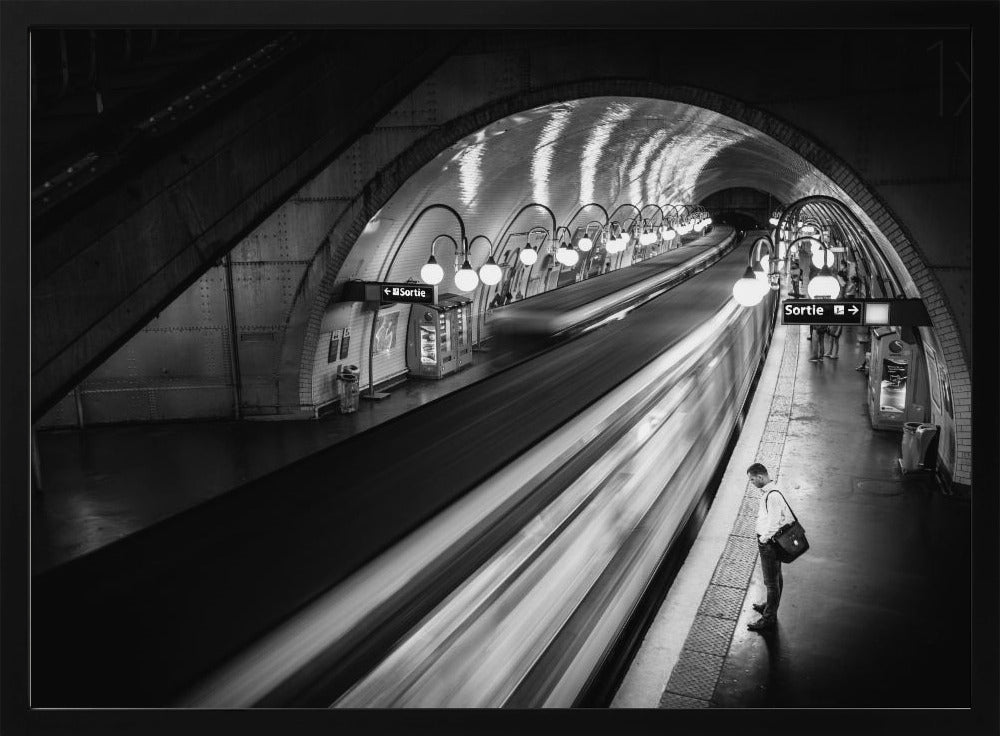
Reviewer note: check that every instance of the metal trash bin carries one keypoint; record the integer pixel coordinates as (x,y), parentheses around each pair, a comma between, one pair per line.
(347,388)
(909,457)
(926,448)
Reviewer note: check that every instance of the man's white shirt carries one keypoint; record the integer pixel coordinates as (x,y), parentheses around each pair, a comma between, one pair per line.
(773,514)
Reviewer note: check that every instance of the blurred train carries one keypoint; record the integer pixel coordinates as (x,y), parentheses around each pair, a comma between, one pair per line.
(541,320)
(542,620)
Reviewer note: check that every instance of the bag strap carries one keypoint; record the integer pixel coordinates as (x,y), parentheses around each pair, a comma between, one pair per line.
(775,490)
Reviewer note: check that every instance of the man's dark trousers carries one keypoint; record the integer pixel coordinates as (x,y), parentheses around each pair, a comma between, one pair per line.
(770,565)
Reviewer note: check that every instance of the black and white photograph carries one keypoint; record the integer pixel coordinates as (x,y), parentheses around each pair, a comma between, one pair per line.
(603,358)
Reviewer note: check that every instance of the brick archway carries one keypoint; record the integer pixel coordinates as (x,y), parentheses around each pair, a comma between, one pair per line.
(317,287)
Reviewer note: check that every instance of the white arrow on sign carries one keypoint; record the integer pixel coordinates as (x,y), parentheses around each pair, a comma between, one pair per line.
(854,309)
(385,290)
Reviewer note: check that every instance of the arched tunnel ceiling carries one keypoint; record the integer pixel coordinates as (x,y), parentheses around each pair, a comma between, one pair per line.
(610,150)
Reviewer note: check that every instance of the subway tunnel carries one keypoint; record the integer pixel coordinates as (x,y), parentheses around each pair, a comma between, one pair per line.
(203,470)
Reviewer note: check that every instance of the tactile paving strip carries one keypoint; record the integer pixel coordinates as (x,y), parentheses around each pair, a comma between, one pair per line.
(695,676)
(722,601)
(710,634)
(736,565)
(680,702)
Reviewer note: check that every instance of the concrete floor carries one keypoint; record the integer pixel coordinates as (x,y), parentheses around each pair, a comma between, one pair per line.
(876,614)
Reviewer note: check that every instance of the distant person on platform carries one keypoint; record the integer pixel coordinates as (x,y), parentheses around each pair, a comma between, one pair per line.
(817,333)
(772,514)
(806,266)
(851,289)
(842,279)
(796,278)
(833,340)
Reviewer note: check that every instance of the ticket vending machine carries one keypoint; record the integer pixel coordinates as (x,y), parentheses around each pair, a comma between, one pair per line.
(439,337)
(888,376)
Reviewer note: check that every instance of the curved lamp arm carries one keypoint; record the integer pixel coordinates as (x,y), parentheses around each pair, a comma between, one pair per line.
(424,211)
(448,237)
(469,247)
(658,208)
(590,204)
(626,204)
(563,227)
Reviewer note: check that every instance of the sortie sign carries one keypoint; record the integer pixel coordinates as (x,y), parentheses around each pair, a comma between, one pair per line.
(407,293)
(826,312)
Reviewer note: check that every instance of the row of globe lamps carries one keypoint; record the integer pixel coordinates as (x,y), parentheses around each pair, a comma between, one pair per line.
(762,274)
(490,273)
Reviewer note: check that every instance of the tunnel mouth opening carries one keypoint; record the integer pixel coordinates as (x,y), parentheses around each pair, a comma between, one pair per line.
(460,150)
(615,145)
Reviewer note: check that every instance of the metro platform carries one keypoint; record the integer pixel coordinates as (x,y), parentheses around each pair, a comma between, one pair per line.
(105,482)
(875,614)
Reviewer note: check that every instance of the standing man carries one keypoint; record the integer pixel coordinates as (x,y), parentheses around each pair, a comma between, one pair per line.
(772,514)
(795,277)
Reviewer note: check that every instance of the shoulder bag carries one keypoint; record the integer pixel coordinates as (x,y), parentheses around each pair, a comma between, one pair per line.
(790,540)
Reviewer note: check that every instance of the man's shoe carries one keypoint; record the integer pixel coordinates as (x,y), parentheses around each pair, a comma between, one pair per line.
(759,607)
(762,624)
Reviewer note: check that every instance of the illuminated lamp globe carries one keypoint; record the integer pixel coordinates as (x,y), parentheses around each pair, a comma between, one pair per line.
(625,237)
(669,233)
(528,256)
(824,286)
(466,279)
(647,239)
(773,221)
(815,246)
(490,274)
(612,245)
(585,244)
(708,220)
(571,257)
(431,273)
(747,291)
(822,258)
(561,254)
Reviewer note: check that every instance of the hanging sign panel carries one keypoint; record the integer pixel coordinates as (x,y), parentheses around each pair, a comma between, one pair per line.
(408,293)
(386,292)
(825,312)
(898,312)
